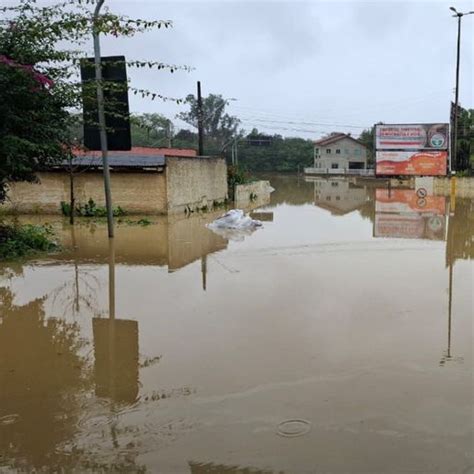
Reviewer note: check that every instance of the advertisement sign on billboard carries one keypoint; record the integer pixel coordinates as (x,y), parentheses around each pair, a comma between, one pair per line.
(412,149)
(428,163)
(412,136)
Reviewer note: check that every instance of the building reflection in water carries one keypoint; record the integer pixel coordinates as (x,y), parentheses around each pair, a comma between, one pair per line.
(401,213)
(339,196)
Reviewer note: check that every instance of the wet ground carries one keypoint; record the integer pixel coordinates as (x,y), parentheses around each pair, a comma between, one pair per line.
(178,350)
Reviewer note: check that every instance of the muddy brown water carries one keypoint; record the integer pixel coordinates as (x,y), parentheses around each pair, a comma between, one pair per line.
(179,350)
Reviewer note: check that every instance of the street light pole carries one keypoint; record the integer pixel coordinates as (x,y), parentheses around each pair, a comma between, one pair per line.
(102,126)
(459,15)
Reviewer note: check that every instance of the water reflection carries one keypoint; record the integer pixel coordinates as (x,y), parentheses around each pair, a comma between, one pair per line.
(115,349)
(401,213)
(339,196)
(41,375)
(211,468)
(101,406)
(173,242)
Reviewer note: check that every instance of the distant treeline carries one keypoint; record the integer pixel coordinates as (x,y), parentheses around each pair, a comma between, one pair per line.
(255,151)
(271,153)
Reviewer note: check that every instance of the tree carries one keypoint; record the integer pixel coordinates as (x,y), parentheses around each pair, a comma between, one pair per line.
(465,143)
(39,80)
(284,154)
(32,112)
(152,130)
(218,125)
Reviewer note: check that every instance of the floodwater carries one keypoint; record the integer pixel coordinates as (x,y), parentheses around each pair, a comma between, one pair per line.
(336,339)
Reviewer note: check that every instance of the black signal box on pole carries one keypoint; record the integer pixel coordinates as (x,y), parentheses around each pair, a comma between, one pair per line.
(117,112)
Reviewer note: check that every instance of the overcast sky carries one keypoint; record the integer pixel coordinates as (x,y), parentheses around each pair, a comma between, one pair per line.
(305,68)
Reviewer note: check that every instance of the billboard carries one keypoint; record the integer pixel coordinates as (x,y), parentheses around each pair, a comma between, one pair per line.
(412,136)
(426,163)
(412,149)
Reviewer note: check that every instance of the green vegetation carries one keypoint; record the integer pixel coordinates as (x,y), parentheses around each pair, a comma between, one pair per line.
(465,158)
(41,49)
(90,209)
(22,240)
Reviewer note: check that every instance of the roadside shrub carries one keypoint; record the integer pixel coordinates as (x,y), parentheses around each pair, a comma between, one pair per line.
(90,209)
(21,240)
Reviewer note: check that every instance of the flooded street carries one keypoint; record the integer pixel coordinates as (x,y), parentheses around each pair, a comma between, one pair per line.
(180,350)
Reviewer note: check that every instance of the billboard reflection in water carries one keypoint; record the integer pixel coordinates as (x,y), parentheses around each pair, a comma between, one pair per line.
(401,213)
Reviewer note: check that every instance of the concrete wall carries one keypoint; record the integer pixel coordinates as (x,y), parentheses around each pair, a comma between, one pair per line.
(137,193)
(195,182)
(258,190)
(186,182)
(464,187)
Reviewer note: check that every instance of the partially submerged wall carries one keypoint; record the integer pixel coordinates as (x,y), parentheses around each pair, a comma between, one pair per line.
(136,193)
(195,182)
(245,195)
(464,187)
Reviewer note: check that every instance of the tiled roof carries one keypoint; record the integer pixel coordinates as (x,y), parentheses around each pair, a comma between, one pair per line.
(119,161)
(143,151)
(335,138)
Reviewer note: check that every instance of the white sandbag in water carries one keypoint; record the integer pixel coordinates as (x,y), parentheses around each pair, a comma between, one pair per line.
(235,219)
(234,225)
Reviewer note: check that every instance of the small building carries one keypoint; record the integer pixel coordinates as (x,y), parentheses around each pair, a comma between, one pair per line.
(339,151)
(143,181)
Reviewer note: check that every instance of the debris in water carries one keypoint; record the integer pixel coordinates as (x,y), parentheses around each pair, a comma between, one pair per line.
(234,225)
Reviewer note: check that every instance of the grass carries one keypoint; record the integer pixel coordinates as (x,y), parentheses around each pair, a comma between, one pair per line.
(18,241)
(90,209)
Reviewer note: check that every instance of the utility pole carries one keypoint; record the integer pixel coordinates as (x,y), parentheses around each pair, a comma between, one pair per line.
(459,15)
(102,126)
(200,120)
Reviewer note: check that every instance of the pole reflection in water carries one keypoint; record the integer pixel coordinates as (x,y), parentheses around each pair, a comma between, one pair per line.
(115,349)
(204,271)
(403,214)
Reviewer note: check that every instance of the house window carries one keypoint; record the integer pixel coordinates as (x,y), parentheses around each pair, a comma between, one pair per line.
(338,198)
(357,151)
(334,165)
(328,151)
(316,151)
(338,151)
(334,184)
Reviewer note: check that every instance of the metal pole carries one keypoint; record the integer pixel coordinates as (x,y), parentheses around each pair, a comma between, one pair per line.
(102,126)
(456,99)
(200,120)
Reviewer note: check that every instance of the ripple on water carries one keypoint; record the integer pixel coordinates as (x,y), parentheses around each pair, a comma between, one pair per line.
(9,419)
(293,428)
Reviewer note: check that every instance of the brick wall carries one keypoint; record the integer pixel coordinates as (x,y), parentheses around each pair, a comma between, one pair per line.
(136,193)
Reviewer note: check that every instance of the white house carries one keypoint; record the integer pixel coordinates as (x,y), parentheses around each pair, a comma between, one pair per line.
(339,151)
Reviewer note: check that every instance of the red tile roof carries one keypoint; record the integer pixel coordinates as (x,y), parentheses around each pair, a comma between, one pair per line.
(335,138)
(143,151)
